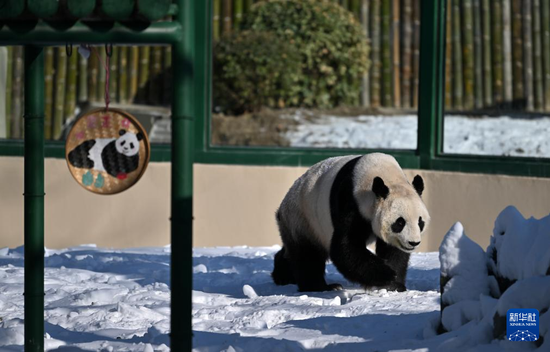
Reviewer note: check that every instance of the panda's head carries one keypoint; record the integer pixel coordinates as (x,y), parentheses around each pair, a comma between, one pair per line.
(128,143)
(400,216)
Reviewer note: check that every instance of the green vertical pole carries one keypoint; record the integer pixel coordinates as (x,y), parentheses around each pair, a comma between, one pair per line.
(432,79)
(34,199)
(183,115)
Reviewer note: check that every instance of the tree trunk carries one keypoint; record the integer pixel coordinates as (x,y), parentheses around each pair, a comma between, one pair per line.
(156,70)
(82,79)
(416,51)
(70,92)
(113,79)
(93,72)
(396,55)
(537,57)
(517,51)
(458,86)
(407,54)
(449,56)
(143,74)
(498,91)
(507,51)
(17,95)
(60,86)
(528,54)
(238,14)
(227,13)
(376,65)
(101,74)
(133,74)
(487,57)
(468,53)
(386,55)
(123,75)
(365,91)
(546,52)
(167,78)
(216,28)
(478,57)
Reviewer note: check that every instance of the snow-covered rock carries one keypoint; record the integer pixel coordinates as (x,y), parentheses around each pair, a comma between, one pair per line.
(519,247)
(479,288)
(463,267)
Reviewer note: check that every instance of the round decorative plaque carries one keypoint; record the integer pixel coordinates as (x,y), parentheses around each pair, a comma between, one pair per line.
(107,151)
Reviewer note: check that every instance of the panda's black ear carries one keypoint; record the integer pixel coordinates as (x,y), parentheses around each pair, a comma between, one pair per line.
(139,136)
(121,132)
(418,184)
(379,188)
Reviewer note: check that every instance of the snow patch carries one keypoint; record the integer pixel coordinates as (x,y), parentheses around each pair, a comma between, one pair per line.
(463,262)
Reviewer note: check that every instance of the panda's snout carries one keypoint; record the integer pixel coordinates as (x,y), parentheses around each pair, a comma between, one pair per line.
(414,244)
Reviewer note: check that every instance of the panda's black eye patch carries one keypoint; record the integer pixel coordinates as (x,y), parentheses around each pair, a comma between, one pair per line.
(398,225)
(123,142)
(421,224)
(132,145)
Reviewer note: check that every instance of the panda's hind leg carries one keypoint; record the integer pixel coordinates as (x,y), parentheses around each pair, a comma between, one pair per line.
(301,261)
(282,269)
(308,264)
(397,260)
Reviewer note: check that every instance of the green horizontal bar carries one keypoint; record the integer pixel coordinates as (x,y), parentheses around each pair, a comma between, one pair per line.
(290,156)
(15,147)
(513,166)
(42,33)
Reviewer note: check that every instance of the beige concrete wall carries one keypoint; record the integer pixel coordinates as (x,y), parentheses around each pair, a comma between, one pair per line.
(235,205)
(137,217)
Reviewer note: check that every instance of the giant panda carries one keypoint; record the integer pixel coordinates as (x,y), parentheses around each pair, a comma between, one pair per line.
(117,156)
(337,208)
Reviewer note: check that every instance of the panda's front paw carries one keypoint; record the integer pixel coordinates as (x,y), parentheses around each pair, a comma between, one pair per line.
(396,286)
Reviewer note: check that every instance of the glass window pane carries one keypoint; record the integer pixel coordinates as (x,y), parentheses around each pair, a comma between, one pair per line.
(139,83)
(497,88)
(313,112)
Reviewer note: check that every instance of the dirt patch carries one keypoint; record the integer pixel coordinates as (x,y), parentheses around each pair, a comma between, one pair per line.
(267,127)
(264,128)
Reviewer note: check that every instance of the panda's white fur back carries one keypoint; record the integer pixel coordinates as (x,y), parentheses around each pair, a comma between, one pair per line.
(95,152)
(306,207)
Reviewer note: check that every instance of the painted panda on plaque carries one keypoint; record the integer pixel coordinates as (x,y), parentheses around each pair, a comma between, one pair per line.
(107,151)
(116,156)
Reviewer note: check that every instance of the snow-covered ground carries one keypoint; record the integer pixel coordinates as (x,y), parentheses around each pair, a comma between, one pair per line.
(118,300)
(463,135)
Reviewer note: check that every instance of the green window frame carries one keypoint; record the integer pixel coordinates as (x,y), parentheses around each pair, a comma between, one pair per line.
(428,154)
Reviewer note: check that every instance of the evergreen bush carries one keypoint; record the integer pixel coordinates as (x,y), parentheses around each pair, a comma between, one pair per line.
(333,47)
(255,69)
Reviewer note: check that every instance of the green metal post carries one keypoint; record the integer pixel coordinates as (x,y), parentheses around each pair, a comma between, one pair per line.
(432,76)
(183,115)
(34,199)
